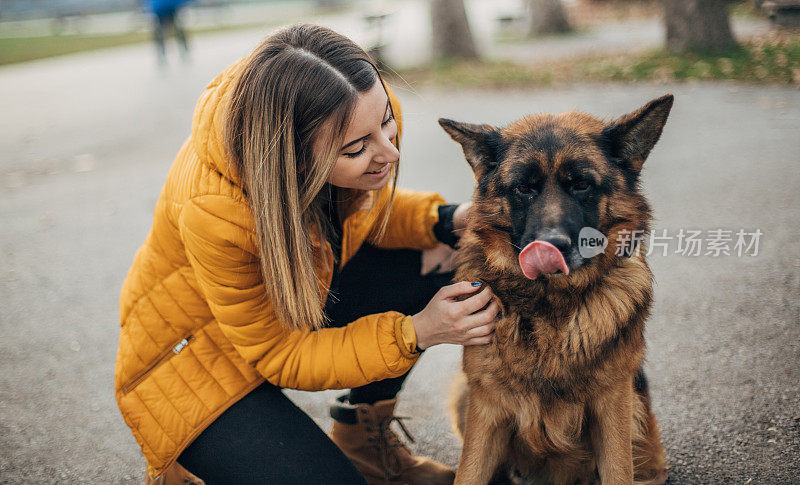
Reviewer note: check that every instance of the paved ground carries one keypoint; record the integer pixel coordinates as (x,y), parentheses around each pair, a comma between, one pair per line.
(87,141)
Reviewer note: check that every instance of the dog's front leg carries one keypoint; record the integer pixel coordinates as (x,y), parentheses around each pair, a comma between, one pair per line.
(611,434)
(486,438)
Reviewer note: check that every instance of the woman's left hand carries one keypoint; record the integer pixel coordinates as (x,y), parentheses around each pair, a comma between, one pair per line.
(442,259)
(460,216)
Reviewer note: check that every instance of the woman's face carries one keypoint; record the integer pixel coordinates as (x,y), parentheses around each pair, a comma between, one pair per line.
(368,153)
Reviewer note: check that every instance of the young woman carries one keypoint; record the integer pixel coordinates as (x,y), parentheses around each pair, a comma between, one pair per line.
(282,256)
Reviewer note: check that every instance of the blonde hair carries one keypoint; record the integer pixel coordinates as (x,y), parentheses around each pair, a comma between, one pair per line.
(294,83)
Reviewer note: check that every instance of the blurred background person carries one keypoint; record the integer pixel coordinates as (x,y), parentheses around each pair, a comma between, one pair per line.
(166,17)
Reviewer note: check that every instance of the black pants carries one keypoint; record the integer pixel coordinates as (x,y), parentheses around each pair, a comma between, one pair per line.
(265,437)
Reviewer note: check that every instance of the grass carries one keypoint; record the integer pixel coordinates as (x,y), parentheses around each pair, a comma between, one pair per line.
(29,48)
(746,9)
(21,49)
(772,59)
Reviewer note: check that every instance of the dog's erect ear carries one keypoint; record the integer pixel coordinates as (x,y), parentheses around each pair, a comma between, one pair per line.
(482,144)
(630,137)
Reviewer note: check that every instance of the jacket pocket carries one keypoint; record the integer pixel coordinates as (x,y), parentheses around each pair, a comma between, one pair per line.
(165,356)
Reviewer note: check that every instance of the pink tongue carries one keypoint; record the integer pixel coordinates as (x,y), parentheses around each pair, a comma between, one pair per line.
(541,257)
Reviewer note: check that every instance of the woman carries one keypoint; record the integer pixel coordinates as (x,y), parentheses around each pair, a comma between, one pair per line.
(274,262)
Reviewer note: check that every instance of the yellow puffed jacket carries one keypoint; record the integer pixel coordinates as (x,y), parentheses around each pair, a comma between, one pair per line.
(197,329)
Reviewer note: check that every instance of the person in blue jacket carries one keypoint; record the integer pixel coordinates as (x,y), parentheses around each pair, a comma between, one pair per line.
(165,17)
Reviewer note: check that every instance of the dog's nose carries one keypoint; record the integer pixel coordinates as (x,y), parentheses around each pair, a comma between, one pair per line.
(557,238)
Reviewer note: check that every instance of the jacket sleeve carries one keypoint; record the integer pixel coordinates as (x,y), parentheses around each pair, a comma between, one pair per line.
(221,248)
(411,220)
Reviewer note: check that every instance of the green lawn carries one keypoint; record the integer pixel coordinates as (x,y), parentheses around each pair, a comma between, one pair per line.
(772,59)
(29,48)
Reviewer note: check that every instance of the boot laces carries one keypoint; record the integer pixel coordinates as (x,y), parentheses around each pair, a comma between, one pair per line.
(388,442)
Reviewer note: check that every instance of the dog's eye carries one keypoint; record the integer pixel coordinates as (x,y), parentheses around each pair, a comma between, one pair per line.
(525,190)
(580,187)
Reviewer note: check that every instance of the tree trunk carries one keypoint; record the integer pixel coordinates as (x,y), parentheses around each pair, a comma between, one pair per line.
(697,25)
(451,35)
(546,17)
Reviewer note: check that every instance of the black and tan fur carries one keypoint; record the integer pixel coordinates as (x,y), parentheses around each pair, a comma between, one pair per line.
(559,396)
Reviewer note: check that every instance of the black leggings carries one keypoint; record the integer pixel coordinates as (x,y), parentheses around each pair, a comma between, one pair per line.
(265,437)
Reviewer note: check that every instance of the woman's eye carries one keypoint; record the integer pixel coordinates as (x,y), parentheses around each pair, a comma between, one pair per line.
(355,154)
(364,145)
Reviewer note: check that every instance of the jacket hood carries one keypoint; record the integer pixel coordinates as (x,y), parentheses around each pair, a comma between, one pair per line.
(209,119)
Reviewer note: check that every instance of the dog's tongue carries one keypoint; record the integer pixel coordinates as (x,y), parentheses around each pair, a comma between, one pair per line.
(541,257)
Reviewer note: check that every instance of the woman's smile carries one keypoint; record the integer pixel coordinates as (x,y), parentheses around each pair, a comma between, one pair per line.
(381,172)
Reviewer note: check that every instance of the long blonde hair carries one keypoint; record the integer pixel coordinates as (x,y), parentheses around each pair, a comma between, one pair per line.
(294,82)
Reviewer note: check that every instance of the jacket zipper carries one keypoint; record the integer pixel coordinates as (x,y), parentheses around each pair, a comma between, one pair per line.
(176,349)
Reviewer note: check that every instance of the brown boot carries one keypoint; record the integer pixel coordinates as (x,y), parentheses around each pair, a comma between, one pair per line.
(174,475)
(362,432)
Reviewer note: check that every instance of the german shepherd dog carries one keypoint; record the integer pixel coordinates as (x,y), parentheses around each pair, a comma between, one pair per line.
(559,396)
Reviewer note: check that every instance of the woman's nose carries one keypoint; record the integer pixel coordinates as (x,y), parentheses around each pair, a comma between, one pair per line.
(387,153)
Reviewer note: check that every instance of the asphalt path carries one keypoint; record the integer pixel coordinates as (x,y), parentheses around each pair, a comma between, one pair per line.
(86,144)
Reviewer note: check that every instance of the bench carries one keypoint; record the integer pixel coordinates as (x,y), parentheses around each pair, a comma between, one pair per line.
(783,13)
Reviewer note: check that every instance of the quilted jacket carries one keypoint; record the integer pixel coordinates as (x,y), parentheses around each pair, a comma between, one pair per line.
(197,329)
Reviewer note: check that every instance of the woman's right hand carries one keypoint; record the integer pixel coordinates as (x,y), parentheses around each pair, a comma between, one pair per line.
(448,321)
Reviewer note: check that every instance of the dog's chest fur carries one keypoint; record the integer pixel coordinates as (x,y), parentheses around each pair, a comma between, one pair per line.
(555,347)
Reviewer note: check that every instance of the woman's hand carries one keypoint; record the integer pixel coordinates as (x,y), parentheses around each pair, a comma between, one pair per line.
(442,259)
(460,216)
(448,321)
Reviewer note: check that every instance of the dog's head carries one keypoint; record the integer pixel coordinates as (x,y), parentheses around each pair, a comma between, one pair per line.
(548,184)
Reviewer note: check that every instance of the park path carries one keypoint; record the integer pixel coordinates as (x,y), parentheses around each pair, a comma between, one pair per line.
(86,143)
